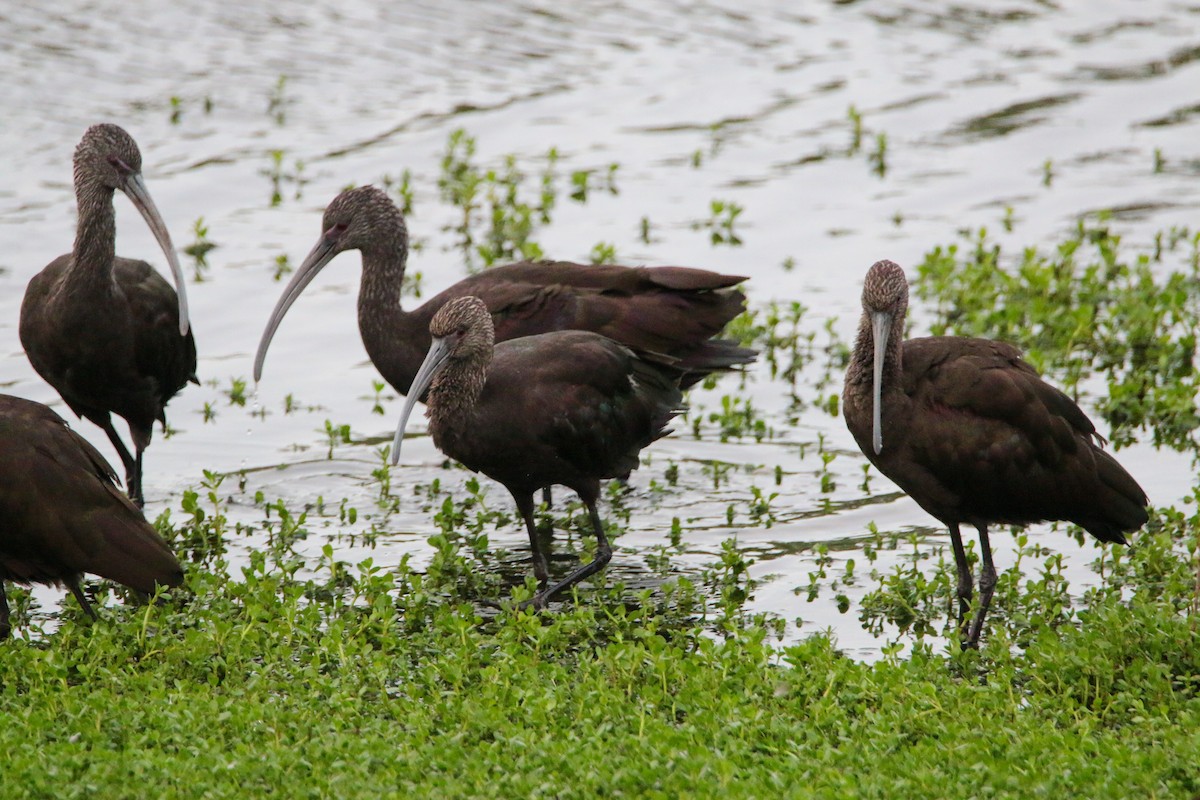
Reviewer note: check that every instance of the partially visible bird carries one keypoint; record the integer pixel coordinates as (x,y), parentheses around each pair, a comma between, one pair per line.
(109,333)
(973,434)
(568,407)
(62,514)
(672,310)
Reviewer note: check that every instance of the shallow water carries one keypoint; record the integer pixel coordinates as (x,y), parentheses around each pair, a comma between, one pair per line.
(974,99)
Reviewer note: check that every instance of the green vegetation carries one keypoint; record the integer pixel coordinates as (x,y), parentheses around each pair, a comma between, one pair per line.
(878,157)
(356,680)
(199,249)
(720,223)
(501,209)
(279,176)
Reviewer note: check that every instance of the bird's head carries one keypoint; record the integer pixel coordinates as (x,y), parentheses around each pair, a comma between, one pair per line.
(885,289)
(108,155)
(362,218)
(465,326)
(463,335)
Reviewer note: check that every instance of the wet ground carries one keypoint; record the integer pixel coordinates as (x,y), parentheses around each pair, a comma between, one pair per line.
(746,103)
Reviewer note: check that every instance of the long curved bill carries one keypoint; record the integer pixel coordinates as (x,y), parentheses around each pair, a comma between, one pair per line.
(135,189)
(313,263)
(435,359)
(881,327)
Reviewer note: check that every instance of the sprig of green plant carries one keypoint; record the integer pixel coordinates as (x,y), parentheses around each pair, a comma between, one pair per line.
(199,249)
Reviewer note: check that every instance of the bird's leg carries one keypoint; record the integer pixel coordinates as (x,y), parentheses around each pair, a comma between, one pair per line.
(987,585)
(132,467)
(135,486)
(5,625)
(966,583)
(77,590)
(603,556)
(541,569)
(546,497)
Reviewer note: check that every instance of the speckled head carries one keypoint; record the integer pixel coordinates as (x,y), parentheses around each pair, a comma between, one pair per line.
(885,288)
(455,368)
(465,324)
(363,218)
(107,154)
(885,301)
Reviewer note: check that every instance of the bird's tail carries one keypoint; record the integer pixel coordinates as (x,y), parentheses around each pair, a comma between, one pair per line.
(712,356)
(1120,506)
(136,557)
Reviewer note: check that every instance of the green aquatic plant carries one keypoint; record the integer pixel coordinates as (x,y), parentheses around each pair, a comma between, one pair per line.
(402,188)
(856,130)
(878,157)
(720,224)
(278,101)
(283,267)
(501,210)
(335,435)
(199,249)
(603,253)
(279,175)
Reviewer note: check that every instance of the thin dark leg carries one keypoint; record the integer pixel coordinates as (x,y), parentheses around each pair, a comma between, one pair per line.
(987,586)
(133,467)
(966,584)
(76,590)
(541,569)
(603,556)
(546,497)
(5,625)
(135,488)
(122,450)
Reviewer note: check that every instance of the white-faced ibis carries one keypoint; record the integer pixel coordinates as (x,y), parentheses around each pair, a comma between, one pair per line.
(567,407)
(973,434)
(61,513)
(109,333)
(671,310)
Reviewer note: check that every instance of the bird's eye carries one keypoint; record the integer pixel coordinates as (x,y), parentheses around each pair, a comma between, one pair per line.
(119,165)
(334,232)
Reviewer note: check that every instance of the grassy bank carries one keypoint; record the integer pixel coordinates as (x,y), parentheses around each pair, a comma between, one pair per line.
(361,682)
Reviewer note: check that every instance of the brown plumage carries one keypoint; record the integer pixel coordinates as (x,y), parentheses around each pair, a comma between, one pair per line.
(973,434)
(567,407)
(109,333)
(672,310)
(61,513)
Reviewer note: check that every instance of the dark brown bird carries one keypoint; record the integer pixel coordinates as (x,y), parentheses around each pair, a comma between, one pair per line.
(567,407)
(109,333)
(974,435)
(671,310)
(61,513)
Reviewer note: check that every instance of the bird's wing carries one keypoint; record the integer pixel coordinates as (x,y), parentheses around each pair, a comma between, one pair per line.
(576,398)
(987,430)
(160,352)
(661,309)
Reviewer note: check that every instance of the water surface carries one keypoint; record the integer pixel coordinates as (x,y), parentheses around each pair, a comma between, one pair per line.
(744,102)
